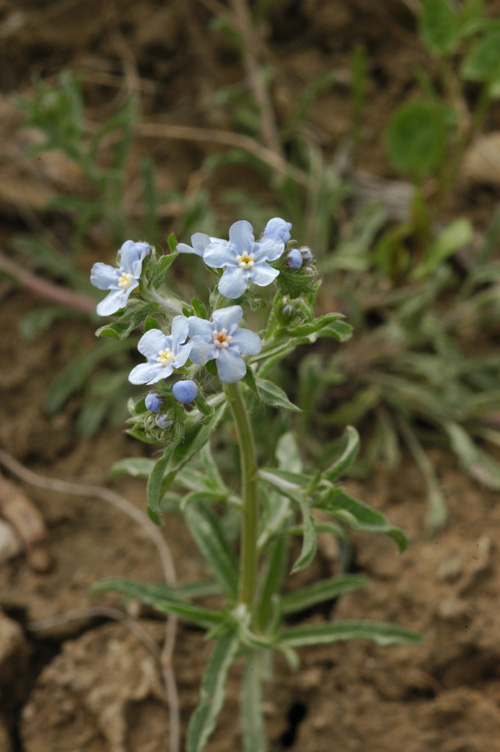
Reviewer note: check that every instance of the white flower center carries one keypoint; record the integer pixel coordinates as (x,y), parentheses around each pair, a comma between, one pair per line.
(165,357)
(125,281)
(221,339)
(246,260)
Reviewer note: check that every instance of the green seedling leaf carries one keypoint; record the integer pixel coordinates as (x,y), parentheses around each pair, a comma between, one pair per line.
(348,456)
(213,690)
(483,61)
(136,467)
(438,27)
(416,138)
(252,719)
(359,516)
(273,396)
(161,601)
(324,590)
(458,234)
(208,535)
(378,632)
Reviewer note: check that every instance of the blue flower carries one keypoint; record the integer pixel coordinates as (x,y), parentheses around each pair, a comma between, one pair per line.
(163,421)
(153,402)
(122,280)
(185,391)
(294,259)
(164,353)
(222,341)
(199,240)
(278,228)
(245,260)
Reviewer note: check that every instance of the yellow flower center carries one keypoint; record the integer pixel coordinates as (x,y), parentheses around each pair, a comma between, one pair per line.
(165,357)
(246,260)
(125,281)
(221,339)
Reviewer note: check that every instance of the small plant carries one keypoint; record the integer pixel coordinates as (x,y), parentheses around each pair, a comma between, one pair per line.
(204,367)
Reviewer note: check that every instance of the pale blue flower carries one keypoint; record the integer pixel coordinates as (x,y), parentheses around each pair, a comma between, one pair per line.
(163,421)
(294,259)
(153,402)
(244,259)
(278,228)
(199,242)
(122,280)
(163,353)
(222,341)
(185,391)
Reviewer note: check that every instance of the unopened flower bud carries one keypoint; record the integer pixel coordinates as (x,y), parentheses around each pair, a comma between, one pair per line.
(288,311)
(306,254)
(294,259)
(164,421)
(278,228)
(153,402)
(185,391)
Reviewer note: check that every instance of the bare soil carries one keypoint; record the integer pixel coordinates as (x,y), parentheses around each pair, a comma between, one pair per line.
(90,685)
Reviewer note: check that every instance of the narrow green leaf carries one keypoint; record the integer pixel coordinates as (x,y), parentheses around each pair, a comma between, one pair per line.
(282,479)
(359,516)
(438,26)
(136,467)
(252,717)
(155,481)
(335,471)
(273,396)
(309,540)
(208,535)
(213,691)
(311,327)
(380,633)
(416,138)
(272,581)
(156,598)
(321,591)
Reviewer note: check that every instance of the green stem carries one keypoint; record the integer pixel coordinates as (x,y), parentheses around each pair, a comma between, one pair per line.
(249,552)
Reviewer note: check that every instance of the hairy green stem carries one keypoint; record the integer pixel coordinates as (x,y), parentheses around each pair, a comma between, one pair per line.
(249,551)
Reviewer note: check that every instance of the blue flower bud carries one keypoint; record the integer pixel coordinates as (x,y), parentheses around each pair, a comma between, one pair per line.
(185,391)
(278,228)
(294,259)
(306,254)
(164,421)
(153,402)
(288,311)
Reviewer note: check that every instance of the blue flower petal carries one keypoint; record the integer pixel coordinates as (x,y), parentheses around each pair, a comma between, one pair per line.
(132,255)
(147,373)
(152,343)
(104,276)
(277,227)
(180,331)
(246,341)
(182,355)
(241,236)
(269,249)
(230,366)
(219,253)
(263,274)
(114,301)
(199,242)
(227,318)
(199,327)
(202,350)
(233,282)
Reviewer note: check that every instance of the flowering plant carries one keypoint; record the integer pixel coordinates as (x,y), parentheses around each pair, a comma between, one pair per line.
(203,365)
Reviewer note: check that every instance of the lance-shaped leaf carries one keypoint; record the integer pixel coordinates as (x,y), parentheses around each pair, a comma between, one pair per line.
(358,516)
(379,632)
(161,600)
(272,395)
(348,456)
(208,535)
(309,540)
(252,718)
(136,467)
(324,590)
(272,581)
(213,692)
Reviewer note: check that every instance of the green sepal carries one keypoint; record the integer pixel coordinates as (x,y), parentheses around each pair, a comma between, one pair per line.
(151,323)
